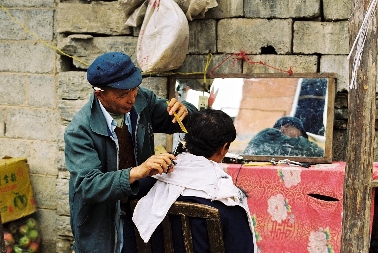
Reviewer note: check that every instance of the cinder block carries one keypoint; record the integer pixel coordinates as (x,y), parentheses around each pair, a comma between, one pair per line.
(63,207)
(10,30)
(43,157)
(41,23)
(157,84)
(225,64)
(68,108)
(44,187)
(61,161)
(34,124)
(41,91)
(74,91)
(338,64)
(337,9)
(28,3)
(96,17)
(61,146)
(251,35)
(63,226)
(12,89)
(14,147)
(221,64)
(73,85)
(63,243)
(321,37)
(281,64)
(202,36)
(193,64)
(47,222)
(226,9)
(87,48)
(25,56)
(282,9)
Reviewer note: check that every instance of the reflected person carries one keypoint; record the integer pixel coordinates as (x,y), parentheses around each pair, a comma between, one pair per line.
(286,138)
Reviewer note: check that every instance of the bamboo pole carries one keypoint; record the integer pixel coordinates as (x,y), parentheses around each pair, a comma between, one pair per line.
(360,149)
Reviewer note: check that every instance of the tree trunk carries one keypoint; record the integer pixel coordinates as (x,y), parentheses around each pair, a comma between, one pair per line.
(360,149)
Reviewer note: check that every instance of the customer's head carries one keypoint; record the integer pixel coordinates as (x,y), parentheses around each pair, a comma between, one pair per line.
(115,80)
(291,126)
(209,131)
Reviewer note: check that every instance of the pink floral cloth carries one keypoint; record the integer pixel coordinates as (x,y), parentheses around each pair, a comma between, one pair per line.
(294,209)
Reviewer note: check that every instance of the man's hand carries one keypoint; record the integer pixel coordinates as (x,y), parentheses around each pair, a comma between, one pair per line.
(174,106)
(156,164)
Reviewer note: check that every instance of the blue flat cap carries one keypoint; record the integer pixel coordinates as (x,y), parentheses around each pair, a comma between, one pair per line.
(115,70)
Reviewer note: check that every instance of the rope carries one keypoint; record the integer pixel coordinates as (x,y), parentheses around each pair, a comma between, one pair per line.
(242,55)
(360,42)
(209,57)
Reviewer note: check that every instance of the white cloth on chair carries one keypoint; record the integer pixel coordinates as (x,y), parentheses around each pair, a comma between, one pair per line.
(193,176)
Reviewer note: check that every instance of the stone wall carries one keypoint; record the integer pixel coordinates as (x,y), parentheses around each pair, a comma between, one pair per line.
(29,117)
(41,89)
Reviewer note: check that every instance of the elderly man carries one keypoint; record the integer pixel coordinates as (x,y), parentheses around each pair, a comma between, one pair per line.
(109,145)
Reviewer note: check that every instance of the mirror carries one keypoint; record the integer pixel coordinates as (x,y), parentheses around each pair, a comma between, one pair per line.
(275,115)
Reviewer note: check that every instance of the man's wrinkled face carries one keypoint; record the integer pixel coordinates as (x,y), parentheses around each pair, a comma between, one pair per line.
(117,101)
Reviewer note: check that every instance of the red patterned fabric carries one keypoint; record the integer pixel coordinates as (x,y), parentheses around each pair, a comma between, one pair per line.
(294,209)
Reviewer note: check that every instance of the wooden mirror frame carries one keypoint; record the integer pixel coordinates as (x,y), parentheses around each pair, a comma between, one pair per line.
(330,98)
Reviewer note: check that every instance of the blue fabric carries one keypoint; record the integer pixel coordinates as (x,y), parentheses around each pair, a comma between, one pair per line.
(237,235)
(114,69)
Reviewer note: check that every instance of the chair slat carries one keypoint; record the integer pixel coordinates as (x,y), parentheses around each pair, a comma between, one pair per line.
(168,241)
(186,210)
(214,231)
(187,233)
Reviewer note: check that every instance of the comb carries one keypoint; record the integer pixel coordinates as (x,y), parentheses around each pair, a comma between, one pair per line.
(179,121)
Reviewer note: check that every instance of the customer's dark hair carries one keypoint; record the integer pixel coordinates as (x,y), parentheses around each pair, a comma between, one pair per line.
(208,130)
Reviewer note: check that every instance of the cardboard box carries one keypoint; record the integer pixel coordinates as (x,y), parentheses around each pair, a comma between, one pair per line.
(16,193)
(294,209)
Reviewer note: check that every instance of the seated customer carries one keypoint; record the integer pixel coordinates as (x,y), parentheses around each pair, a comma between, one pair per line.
(198,177)
(287,138)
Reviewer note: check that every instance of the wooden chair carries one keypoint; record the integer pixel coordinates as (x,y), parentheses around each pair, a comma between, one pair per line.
(185,210)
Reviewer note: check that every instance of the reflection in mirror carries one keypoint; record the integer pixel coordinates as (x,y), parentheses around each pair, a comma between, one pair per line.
(274,116)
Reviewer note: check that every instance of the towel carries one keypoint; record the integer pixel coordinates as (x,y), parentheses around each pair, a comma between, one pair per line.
(193,176)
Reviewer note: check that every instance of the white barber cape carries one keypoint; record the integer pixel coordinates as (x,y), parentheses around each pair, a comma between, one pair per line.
(193,176)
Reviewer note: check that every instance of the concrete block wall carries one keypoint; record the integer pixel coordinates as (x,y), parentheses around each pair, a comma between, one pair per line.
(40,89)
(28,101)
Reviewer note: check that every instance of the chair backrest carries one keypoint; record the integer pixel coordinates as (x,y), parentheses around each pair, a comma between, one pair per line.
(185,210)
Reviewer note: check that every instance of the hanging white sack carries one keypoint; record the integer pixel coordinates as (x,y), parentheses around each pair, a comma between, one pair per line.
(164,37)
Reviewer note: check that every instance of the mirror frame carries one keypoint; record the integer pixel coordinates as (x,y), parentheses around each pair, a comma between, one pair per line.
(331,92)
